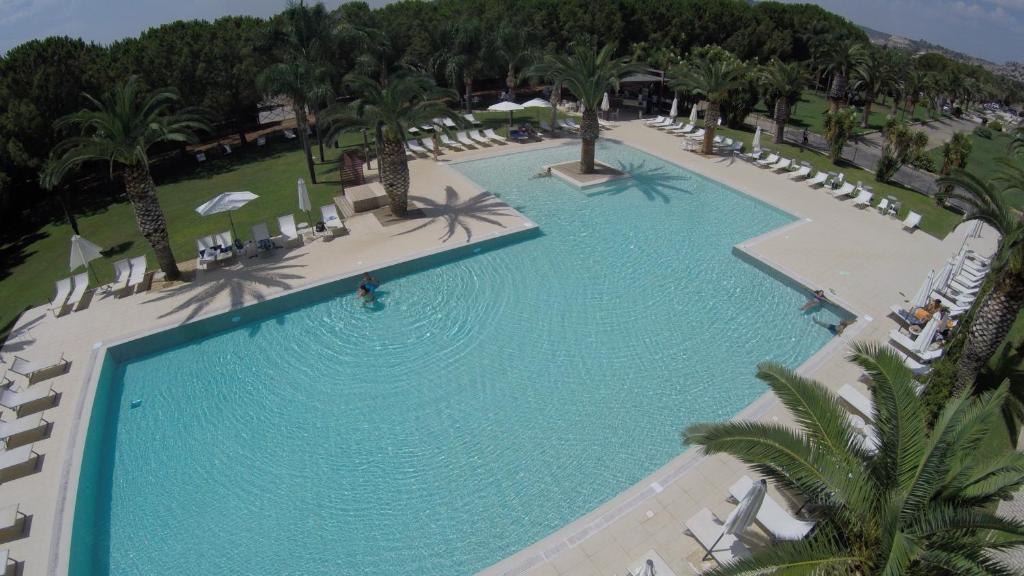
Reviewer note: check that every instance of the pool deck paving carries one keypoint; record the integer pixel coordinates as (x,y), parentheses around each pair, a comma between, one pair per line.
(865,261)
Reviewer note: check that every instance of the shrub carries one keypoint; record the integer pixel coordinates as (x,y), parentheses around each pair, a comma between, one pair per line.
(995,125)
(925,163)
(983,132)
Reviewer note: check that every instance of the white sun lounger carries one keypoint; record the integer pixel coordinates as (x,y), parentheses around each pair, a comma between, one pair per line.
(604,124)
(863,199)
(81,282)
(801,173)
(545,126)
(684,130)
(449,122)
(753,156)
(654,121)
(20,426)
(566,126)
(63,290)
(476,136)
(492,135)
(472,119)
(818,179)
(706,528)
(664,122)
(698,135)
(289,134)
(261,237)
(17,456)
(332,221)
(768,161)
(772,516)
(913,221)
(909,344)
(672,127)
(428,143)
(37,371)
(286,224)
(140,278)
(464,139)
(846,189)
(857,401)
(16,400)
(416,148)
(122,270)
(883,206)
(782,164)
(451,143)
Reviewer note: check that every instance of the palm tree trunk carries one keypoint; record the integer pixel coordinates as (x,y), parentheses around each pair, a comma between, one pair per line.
(556,97)
(837,92)
(319,135)
(302,127)
(781,116)
(867,111)
(469,95)
(989,328)
(394,175)
(589,131)
(710,123)
(149,217)
(510,81)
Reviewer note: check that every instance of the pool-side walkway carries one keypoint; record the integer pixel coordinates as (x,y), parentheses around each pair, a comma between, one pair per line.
(866,259)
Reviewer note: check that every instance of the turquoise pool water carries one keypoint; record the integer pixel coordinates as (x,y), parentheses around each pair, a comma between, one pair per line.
(485,403)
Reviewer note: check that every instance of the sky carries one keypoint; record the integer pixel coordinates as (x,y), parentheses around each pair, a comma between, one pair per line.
(991,29)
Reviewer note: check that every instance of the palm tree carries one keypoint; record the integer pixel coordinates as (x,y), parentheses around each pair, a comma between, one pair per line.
(119,129)
(919,501)
(871,76)
(838,129)
(587,73)
(955,153)
(839,61)
(388,111)
(303,38)
(711,79)
(915,83)
(986,201)
(785,83)
(512,49)
(467,53)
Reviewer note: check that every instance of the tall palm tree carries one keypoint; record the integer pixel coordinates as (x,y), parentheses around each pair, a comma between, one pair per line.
(466,54)
(839,61)
(917,502)
(512,50)
(711,79)
(915,83)
(955,153)
(871,77)
(587,73)
(303,38)
(986,201)
(785,82)
(838,129)
(388,111)
(119,129)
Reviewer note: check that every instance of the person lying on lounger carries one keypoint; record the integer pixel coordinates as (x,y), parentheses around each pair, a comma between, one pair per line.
(816,300)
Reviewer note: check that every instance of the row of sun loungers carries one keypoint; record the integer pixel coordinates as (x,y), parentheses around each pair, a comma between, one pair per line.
(73,294)
(220,247)
(70,295)
(463,140)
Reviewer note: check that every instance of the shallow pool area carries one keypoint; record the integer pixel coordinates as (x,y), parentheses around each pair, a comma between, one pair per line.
(481,404)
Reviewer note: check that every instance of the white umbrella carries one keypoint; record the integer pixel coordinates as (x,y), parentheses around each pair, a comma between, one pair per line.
(83,252)
(743,516)
(756,144)
(227,202)
(693,115)
(304,203)
(536,103)
(511,107)
(921,298)
(924,339)
(605,105)
(675,108)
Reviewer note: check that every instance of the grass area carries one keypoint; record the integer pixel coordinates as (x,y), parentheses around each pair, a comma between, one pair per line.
(809,113)
(935,220)
(42,258)
(983,159)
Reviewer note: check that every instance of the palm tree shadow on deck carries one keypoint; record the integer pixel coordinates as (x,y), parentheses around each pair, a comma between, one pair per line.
(484,207)
(654,183)
(239,283)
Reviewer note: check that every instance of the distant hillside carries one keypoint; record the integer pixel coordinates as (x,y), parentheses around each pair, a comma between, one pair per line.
(1013,70)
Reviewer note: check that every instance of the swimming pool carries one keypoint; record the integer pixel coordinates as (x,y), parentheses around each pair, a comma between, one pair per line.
(486,402)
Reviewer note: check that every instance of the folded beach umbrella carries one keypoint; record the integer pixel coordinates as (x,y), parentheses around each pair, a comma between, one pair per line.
(227,202)
(921,298)
(605,104)
(693,115)
(756,144)
(304,203)
(745,513)
(510,107)
(675,108)
(83,252)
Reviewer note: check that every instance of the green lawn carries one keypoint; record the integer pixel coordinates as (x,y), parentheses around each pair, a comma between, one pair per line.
(935,220)
(809,113)
(983,160)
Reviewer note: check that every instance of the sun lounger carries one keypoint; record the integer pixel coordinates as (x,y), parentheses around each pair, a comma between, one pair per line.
(81,282)
(857,401)
(913,221)
(731,148)
(698,135)
(472,119)
(666,121)
(565,126)
(658,566)
(684,130)
(17,457)
(448,122)
(63,291)
(863,199)
(951,301)
(464,139)
(11,428)
(290,234)
(261,141)
(772,516)
(122,270)
(883,206)
(771,159)
(428,143)
(782,164)
(445,140)
(261,236)
(846,189)
(969,289)
(223,239)
(493,136)
(140,278)
(38,371)
(818,179)
(545,126)
(416,148)
(17,400)
(476,136)
(604,125)
(332,221)
(803,172)
(671,127)
(706,528)
(910,345)
(654,121)
(753,156)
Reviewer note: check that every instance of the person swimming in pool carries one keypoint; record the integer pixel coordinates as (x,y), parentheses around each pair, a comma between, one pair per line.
(368,288)
(835,329)
(816,300)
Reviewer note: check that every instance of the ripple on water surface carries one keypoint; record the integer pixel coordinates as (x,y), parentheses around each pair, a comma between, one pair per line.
(483,404)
